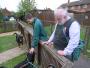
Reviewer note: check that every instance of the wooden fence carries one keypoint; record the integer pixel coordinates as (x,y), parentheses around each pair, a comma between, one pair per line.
(8,26)
(86,37)
(45,55)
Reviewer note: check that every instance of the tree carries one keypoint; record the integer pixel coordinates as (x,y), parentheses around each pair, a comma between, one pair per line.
(25,6)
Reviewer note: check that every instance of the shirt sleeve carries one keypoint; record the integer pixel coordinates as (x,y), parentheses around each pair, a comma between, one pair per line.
(74,33)
(52,36)
(36,32)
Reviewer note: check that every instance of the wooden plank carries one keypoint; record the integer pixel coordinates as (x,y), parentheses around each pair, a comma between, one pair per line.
(65,63)
(26,27)
(62,60)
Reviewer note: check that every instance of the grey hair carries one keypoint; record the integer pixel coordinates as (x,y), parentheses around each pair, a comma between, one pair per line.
(61,11)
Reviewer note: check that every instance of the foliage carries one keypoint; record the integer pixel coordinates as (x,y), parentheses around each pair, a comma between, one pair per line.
(49,29)
(25,6)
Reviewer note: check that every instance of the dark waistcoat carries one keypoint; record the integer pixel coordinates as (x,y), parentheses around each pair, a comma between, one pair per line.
(61,37)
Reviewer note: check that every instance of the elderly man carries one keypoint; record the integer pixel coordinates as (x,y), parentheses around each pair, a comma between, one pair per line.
(66,34)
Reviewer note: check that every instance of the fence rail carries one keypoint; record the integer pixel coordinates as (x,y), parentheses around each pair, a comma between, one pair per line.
(8,26)
(45,55)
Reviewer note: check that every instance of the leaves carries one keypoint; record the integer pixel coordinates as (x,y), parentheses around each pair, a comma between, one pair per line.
(26,6)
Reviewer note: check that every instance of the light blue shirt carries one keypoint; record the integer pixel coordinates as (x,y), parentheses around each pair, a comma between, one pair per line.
(74,34)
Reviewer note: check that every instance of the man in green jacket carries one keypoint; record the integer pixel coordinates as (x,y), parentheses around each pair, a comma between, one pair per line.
(39,34)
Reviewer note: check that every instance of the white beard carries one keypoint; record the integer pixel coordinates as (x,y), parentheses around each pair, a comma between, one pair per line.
(61,23)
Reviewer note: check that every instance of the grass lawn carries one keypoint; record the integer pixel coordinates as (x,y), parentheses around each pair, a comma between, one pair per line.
(14,61)
(49,30)
(7,42)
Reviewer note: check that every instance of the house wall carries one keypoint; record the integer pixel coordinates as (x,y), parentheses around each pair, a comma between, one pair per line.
(47,16)
(83,18)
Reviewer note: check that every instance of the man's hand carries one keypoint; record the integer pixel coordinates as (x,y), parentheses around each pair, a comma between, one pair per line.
(60,52)
(42,42)
(31,50)
(48,43)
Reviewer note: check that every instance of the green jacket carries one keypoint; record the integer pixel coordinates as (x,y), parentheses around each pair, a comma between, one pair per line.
(38,33)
